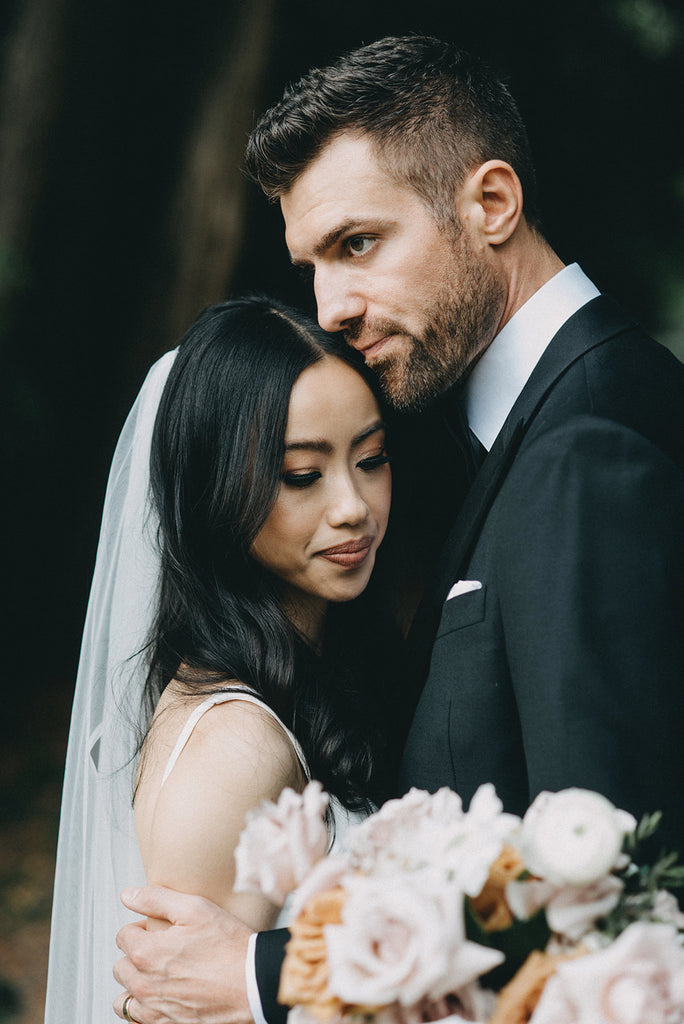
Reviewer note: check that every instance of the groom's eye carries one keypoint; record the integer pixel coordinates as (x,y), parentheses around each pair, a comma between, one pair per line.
(360,244)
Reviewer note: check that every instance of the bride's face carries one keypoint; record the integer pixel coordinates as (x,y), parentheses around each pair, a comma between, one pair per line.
(332,507)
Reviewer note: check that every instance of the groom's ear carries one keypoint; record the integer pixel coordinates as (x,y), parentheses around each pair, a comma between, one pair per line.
(491,201)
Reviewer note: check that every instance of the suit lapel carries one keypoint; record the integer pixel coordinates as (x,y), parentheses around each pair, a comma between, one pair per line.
(592,325)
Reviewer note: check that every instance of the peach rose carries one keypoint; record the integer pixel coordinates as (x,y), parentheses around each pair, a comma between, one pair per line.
(281,843)
(517,1000)
(491,906)
(304,975)
(329,873)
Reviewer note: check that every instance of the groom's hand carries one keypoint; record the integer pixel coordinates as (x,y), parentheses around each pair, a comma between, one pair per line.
(193,971)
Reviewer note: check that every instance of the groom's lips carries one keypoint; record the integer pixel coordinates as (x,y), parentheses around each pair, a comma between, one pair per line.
(370,350)
(350,555)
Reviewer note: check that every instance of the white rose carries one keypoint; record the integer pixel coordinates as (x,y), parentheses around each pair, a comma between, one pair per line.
(573,837)
(638,979)
(281,843)
(402,939)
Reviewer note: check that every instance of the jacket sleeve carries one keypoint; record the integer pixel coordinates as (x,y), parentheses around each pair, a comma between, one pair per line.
(268,960)
(590,566)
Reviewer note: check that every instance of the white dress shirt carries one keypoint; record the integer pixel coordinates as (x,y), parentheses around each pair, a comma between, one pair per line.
(253,996)
(503,370)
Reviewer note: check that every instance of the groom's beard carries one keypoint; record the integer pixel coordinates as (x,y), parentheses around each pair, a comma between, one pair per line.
(464,319)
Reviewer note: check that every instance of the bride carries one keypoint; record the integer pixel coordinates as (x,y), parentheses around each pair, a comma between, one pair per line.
(267,661)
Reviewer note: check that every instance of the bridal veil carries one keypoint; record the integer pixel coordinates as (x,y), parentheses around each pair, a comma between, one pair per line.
(97,853)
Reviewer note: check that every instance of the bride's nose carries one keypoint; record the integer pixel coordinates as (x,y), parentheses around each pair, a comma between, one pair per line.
(346,506)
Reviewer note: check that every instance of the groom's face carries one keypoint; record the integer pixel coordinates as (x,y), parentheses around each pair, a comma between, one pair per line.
(420,302)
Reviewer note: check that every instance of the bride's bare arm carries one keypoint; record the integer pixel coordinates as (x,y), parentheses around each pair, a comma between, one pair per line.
(235,757)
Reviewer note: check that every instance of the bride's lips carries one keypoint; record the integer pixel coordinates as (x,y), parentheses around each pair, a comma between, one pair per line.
(350,555)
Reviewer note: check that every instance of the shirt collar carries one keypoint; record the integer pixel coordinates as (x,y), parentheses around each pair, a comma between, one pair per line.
(501,373)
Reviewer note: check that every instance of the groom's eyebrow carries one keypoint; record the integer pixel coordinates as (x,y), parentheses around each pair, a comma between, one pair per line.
(332,237)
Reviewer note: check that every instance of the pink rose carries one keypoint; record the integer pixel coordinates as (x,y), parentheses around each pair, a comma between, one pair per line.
(402,939)
(384,834)
(638,979)
(432,831)
(666,909)
(423,1013)
(281,843)
(571,911)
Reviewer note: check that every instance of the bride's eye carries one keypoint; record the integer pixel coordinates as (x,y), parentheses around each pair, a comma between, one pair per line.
(374,462)
(300,479)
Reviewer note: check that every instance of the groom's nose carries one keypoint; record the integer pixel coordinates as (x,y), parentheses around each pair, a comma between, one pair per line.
(338,300)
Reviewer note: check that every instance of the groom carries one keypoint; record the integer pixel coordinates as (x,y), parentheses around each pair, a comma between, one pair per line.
(551,638)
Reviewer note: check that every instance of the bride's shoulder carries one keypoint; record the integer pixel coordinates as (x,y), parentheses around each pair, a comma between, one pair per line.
(228,735)
(245,732)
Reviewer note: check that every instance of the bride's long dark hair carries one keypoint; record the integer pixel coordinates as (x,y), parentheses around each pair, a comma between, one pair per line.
(215,468)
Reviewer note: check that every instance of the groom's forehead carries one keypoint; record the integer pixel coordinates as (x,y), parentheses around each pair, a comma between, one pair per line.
(350,160)
(342,188)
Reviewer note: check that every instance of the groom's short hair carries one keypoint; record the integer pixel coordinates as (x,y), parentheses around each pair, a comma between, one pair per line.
(432,112)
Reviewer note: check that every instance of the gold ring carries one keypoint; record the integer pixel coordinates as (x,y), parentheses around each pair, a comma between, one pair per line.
(125,1010)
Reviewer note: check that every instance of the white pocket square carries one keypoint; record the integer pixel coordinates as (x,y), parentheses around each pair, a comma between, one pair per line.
(463,587)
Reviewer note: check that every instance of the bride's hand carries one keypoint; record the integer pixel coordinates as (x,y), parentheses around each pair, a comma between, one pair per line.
(193,970)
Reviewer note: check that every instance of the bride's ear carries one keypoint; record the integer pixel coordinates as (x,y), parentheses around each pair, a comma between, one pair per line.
(491,201)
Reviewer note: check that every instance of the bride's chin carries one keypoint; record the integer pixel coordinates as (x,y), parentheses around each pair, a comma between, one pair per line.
(350,591)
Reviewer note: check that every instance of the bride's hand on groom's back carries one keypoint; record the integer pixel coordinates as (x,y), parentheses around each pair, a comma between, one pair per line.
(193,970)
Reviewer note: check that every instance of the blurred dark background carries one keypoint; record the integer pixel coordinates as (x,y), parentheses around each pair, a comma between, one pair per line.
(123,212)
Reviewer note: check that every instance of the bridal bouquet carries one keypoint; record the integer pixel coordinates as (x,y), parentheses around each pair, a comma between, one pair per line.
(431,912)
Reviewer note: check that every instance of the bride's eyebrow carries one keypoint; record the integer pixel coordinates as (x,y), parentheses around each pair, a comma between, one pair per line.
(312,446)
(365,434)
(325,447)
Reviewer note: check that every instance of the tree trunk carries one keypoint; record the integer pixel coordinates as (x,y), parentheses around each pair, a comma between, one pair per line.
(208,214)
(29,98)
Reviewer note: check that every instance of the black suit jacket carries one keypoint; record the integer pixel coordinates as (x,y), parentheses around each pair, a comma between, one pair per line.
(567,667)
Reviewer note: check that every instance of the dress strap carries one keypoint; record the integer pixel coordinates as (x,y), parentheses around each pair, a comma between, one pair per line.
(245,693)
